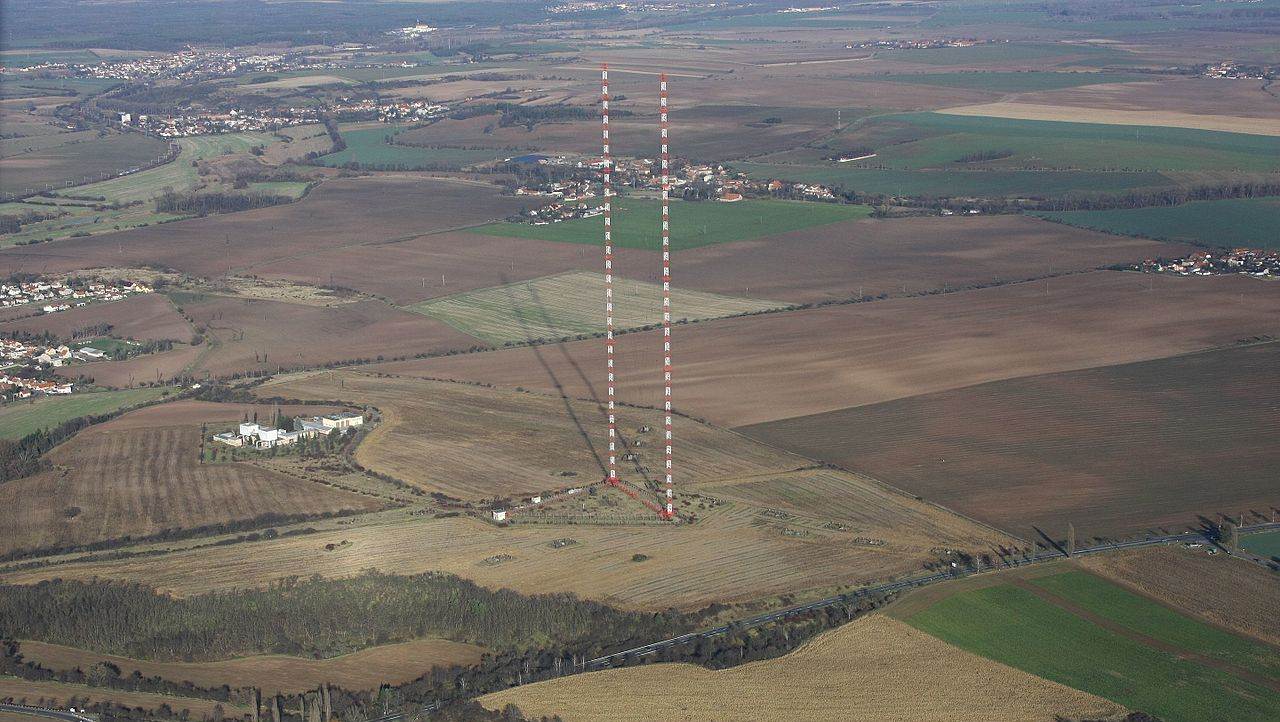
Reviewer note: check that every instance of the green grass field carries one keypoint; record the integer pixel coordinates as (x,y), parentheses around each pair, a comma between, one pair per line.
(1062,54)
(1253,222)
(293,189)
(20,418)
(369,148)
(1266,544)
(569,304)
(1014,627)
(956,183)
(693,224)
(178,175)
(1007,82)
(914,141)
(81,219)
(51,163)
(1147,617)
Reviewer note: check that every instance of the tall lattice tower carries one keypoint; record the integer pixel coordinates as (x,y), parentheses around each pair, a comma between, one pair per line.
(608,276)
(669,484)
(666,510)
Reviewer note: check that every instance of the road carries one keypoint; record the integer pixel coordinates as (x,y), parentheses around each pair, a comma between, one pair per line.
(58,714)
(646,649)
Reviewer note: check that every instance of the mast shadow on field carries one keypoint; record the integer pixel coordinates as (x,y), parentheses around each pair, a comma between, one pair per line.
(536,306)
(626,447)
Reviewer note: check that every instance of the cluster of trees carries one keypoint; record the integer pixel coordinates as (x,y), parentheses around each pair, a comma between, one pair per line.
(1163,197)
(13,222)
(1071,201)
(335,135)
(315,617)
(203,204)
(149,99)
(531,115)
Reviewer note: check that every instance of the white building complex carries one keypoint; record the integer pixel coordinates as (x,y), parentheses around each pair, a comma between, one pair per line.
(258,436)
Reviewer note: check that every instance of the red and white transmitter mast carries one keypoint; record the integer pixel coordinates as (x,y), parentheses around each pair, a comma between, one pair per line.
(608,275)
(666,297)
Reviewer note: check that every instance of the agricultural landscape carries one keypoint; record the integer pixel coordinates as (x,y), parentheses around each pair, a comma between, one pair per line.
(403,361)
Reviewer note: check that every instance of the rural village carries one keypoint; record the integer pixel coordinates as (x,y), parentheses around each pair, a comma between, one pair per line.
(611,360)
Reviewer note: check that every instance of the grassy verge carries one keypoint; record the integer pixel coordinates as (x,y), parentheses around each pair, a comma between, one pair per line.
(1147,617)
(1015,627)
(1267,545)
(20,418)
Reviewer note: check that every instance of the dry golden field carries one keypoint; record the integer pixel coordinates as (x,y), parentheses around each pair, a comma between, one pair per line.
(53,694)
(472,442)
(366,669)
(122,478)
(874,668)
(1113,116)
(1227,592)
(1208,98)
(736,552)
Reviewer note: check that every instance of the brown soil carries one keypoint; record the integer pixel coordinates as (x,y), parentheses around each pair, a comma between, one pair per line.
(750,370)
(434,265)
(1116,450)
(339,212)
(119,479)
(143,318)
(268,335)
(908,255)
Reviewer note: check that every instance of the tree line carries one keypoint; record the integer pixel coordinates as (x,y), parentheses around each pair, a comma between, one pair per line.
(202,204)
(315,617)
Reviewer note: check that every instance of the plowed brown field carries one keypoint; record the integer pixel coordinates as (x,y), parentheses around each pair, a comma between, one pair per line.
(905,255)
(268,335)
(115,480)
(149,317)
(1116,450)
(762,368)
(340,212)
